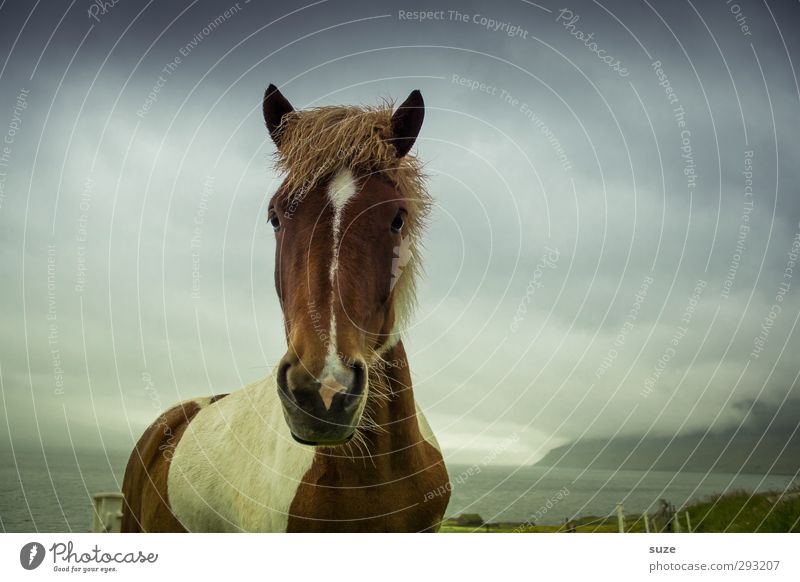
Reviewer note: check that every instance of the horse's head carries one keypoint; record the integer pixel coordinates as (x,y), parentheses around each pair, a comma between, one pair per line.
(346,220)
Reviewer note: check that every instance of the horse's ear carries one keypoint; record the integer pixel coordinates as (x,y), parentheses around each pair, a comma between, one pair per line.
(275,107)
(406,123)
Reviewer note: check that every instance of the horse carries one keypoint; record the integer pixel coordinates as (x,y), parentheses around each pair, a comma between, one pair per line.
(332,440)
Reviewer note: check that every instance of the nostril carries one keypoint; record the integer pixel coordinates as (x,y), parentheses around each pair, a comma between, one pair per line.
(359,377)
(283,384)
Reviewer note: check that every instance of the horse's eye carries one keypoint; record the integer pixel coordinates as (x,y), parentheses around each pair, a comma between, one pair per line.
(274,221)
(399,221)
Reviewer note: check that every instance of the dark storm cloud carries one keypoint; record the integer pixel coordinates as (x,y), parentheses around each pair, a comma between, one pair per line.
(567,243)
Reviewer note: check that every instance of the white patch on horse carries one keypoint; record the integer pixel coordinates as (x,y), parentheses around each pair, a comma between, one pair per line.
(236,467)
(340,190)
(425,429)
(202,402)
(328,389)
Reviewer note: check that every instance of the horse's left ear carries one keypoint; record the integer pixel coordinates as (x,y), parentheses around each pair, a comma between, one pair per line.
(406,123)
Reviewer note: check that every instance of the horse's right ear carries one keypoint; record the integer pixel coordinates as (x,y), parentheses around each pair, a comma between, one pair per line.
(275,107)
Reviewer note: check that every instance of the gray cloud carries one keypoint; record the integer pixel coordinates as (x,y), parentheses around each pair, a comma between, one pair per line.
(133,339)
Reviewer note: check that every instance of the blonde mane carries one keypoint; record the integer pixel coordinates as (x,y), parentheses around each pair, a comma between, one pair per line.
(316,143)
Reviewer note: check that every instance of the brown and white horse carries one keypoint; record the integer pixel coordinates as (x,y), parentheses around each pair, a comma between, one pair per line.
(332,440)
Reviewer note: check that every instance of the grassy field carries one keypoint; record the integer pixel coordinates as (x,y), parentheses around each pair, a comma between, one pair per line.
(736,511)
(741,511)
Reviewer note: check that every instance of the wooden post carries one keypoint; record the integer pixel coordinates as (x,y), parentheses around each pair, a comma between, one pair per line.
(676,522)
(688,523)
(621,518)
(646,523)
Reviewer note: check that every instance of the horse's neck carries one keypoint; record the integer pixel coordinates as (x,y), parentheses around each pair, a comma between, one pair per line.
(395,414)
(389,448)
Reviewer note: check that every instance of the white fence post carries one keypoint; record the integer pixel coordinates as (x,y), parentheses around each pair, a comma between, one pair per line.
(621,518)
(688,523)
(107,516)
(646,524)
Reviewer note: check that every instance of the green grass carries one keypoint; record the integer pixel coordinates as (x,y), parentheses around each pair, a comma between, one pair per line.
(514,528)
(588,524)
(743,511)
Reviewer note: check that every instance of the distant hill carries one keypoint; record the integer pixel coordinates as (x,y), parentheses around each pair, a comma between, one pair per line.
(779,444)
(676,453)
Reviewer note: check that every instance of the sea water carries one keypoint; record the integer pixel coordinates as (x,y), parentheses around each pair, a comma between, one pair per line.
(54,493)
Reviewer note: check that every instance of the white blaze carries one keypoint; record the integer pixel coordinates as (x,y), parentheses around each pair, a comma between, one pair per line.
(341,189)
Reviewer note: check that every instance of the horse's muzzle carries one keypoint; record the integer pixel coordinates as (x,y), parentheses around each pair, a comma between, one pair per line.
(322,412)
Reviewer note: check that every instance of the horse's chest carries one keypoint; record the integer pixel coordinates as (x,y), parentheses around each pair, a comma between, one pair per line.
(226,479)
(334,497)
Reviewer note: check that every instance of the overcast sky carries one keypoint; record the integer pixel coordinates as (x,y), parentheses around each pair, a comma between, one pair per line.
(616,189)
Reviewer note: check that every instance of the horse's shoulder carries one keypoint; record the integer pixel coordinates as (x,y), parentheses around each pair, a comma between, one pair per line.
(168,427)
(146,474)
(165,431)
